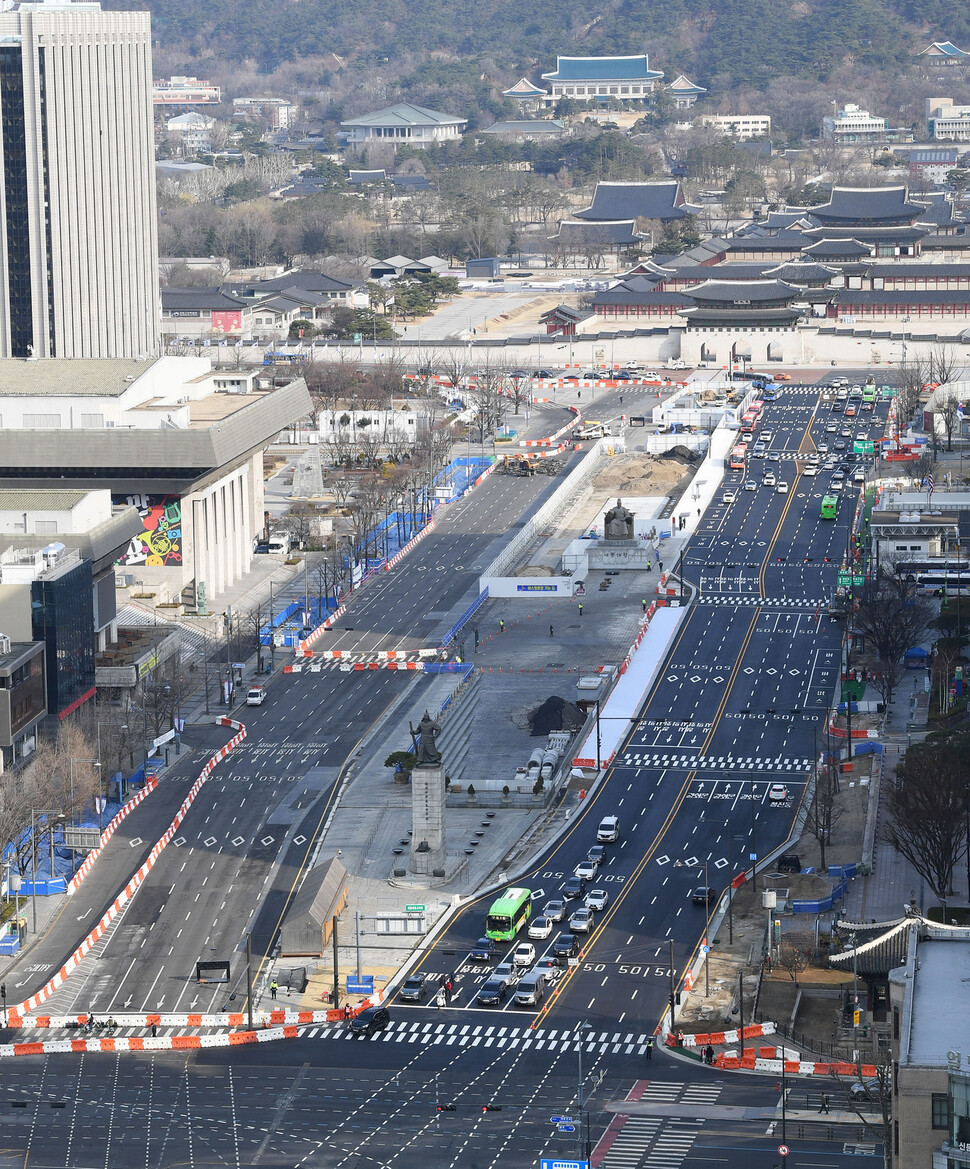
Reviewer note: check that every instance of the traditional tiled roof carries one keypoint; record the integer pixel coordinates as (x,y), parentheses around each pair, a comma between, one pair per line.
(865,205)
(729,315)
(648,268)
(578,232)
(740,270)
(410,183)
(661,200)
(301,281)
(940,213)
(944,49)
(202,299)
(684,87)
(928,271)
(368,176)
(563,312)
(836,249)
(782,241)
(892,233)
(603,69)
(802,272)
(405,114)
(903,296)
(623,294)
(743,292)
(524,88)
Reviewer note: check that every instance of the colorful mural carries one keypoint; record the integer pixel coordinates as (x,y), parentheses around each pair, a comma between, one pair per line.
(160,542)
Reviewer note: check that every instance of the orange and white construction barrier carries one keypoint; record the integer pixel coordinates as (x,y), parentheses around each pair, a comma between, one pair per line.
(106,835)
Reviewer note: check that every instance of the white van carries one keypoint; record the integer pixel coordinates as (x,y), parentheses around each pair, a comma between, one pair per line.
(256,696)
(280,543)
(609,830)
(531,989)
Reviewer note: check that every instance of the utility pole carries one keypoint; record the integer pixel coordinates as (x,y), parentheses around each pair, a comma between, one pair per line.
(336,973)
(249,978)
(673,990)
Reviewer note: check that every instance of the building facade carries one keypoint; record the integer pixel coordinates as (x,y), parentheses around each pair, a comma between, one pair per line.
(601,79)
(946,121)
(185,91)
(415,125)
(740,126)
(78,235)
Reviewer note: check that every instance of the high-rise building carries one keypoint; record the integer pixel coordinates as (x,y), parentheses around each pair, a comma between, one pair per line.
(78,231)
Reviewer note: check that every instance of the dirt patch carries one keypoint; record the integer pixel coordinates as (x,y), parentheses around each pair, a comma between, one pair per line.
(640,474)
(555,714)
(534,570)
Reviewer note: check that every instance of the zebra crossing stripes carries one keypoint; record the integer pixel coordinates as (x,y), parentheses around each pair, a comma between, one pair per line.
(494,1036)
(739,599)
(664,761)
(631,1143)
(651,1141)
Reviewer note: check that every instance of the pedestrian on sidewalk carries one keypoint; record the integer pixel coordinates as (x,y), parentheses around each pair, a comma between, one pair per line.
(649,1052)
(154,1030)
(552,632)
(709,1055)
(439,998)
(824,1106)
(660,566)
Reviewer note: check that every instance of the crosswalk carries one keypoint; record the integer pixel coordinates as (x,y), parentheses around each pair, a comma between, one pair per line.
(754,599)
(490,1036)
(656,1142)
(684,761)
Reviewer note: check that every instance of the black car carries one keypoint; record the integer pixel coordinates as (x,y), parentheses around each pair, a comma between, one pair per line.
(493,992)
(702,896)
(262,549)
(574,887)
(543,373)
(623,375)
(518,373)
(415,988)
(565,946)
(596,854)
(482,950)
(370,1021)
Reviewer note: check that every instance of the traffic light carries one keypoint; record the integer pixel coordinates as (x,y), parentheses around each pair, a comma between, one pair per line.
(491,1108)
(446,1108)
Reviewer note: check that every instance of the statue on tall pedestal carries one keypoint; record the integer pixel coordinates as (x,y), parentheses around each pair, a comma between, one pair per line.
(618,522)
(426,753)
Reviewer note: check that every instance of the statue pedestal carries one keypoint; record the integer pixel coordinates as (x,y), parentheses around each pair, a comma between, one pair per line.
(427,819)
(629,554)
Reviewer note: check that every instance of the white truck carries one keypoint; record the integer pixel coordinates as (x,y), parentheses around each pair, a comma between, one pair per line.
(280,543)
(675,363)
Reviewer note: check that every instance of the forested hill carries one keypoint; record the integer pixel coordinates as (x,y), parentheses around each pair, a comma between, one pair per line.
(747,40)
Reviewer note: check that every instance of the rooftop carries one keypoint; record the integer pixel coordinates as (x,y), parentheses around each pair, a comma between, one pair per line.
(405,114)
(40,500)
(940,998)
(61,377)
(603,69)
(866,205)
(660,200)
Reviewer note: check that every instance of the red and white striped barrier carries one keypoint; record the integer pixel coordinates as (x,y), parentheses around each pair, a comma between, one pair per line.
(146,1043)
(764,1059)
(722,1038)
(410,544)
(131,888)
(106,835)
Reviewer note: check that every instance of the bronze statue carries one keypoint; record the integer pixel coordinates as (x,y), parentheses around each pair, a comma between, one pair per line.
(618,522)
(426,754)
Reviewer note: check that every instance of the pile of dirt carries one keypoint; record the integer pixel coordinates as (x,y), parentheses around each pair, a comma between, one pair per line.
(681,454)
(534,570)
(639,475)
(555,714)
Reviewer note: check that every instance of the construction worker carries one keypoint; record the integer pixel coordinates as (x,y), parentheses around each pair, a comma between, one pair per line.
(580,608)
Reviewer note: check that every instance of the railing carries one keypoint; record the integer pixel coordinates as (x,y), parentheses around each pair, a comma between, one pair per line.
(465,618)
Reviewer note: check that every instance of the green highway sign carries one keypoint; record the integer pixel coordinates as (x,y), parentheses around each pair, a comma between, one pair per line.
(863,447)
(846,578)
(414,908)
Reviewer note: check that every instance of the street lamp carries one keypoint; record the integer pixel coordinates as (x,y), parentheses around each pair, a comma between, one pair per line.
(581,1030)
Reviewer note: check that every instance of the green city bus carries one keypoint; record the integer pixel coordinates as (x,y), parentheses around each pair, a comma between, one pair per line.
(830,505)
(868,393)
(508,914)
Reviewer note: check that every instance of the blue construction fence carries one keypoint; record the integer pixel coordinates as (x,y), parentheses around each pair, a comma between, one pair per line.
(463,620)
(296,620)
(841,874)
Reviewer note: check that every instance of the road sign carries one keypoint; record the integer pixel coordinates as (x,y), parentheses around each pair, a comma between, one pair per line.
(783,1150)
(364,985)
(556,1163)
(572,961)
(705,949)
(414,908)
(566,1127)
(560,1120)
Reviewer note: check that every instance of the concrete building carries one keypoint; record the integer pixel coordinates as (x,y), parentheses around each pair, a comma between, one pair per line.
(740,126)
(930,1001)
(185,91)
(946,121)
(193,131)
(78,236)
(852,125)
(23,698)
(279,113)
(176,439)
(415,125)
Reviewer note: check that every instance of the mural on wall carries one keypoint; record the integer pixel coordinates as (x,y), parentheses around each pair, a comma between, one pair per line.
(160,542)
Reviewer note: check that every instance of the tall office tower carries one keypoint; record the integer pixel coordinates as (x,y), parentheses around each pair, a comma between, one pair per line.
(78,232)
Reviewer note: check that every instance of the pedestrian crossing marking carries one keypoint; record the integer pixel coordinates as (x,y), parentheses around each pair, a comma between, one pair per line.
(745,599)
(685,761)
(499,1037)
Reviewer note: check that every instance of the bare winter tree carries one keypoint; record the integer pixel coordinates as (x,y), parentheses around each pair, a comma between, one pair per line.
(892,616)
(927,812)
(947,409)
(944,363)
(824,812)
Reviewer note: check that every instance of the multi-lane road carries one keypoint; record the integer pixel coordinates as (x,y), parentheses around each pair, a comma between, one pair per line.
(734,711)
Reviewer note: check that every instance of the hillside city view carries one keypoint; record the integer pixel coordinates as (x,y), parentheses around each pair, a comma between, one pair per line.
(484,585)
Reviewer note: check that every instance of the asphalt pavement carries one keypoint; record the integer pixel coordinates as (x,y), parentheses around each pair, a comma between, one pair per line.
(734,711)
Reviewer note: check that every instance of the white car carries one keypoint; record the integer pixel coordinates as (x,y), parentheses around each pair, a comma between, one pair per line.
(770,479)
(831,428)
(586,870)
(751,485)
(582,920)
(810,470)
(729,496)
(540,928)
(782,488)
(823,448)
(597,899)
(767,436)
(524,955)
(777,793)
